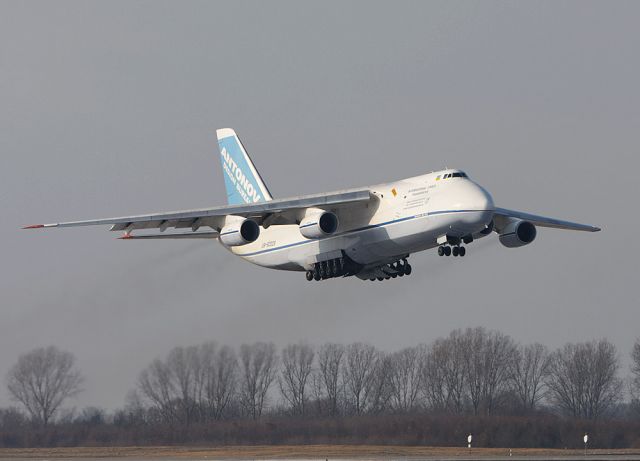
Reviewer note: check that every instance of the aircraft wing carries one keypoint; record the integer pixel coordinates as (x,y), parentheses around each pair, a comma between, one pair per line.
(279,211)
(501,214)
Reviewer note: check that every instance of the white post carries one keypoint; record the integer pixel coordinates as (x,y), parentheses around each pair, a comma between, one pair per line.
(586,439)
(469,438)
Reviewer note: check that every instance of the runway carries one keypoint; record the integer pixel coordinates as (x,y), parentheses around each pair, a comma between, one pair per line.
(313,452)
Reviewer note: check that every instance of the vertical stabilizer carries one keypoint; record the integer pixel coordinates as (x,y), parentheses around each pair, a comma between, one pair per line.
(242,180)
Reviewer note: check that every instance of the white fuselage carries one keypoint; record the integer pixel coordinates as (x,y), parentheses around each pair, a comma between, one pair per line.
(404,217)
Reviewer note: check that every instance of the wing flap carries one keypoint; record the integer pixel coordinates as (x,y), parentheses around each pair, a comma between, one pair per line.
(188,235)
(542,221)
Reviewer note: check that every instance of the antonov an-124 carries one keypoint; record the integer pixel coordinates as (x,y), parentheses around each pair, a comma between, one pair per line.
(367,232)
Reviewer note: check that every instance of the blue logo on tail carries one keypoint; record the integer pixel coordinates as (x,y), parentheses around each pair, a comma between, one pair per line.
(242,185)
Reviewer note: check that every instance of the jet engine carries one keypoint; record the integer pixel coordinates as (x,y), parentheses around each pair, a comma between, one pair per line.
(239,232)
(517,233)
(320,224)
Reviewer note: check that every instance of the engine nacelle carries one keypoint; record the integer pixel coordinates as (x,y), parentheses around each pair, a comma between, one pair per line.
(318,225)
(517,233)
(239,232)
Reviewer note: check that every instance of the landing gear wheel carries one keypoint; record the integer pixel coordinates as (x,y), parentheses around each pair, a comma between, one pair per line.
(380,279)
(309,275)
(447,251)
(407,269)
(455,251)
(400,269)
(440,251)
(462,251)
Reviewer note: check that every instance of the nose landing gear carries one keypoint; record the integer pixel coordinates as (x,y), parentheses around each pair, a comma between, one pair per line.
(457,250)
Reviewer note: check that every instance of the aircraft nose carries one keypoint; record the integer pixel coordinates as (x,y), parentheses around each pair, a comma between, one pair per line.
(474,205)
(473,197)
(481,200)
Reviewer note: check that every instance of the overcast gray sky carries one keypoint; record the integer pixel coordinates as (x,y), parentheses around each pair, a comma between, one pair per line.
(110,108)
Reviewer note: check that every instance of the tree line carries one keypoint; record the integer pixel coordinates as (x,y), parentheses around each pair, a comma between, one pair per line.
(470,375)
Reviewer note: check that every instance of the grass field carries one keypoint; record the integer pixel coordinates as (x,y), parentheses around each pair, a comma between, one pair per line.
(297,452)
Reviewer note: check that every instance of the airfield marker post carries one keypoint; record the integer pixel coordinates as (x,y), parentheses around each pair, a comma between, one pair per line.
(585,439)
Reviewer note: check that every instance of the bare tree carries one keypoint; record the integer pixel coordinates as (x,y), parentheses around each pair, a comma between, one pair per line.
(42,380)
(259,362)
(183,365)
(635,375)
(583,379)
(215,378)
(192,383)
(172,385)
(297,362)
(379,389)
(157,387)
(330,359)
(221,378)
(405,377)
(527,371)
(444,374)
(359,371)
(488,355)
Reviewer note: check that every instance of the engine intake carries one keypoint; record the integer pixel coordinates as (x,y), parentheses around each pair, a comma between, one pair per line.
(318,225)
(518,233)
(239,232)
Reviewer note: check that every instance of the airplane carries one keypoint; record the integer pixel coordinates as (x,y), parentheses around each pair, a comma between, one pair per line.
(365,232)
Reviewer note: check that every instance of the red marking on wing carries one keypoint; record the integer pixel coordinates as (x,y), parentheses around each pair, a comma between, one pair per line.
(33,226)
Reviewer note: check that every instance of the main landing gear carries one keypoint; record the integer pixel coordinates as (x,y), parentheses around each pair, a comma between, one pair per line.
(457,250)
(391,271)
(338,267)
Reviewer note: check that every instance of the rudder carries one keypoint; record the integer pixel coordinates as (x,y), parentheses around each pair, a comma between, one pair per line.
(241,178)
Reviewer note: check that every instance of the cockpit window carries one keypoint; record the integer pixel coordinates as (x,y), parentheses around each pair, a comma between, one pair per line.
(459,174)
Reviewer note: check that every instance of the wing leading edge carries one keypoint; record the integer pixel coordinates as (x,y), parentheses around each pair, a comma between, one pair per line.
(281,211)
(542,221)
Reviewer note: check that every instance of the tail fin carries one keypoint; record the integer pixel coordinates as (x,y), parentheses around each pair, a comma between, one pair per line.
(242,180)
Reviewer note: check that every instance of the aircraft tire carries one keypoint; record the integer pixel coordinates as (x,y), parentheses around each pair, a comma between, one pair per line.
(309,275)
(462,251)
(441,251)
(447,251)
(454,251)
(407,269)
